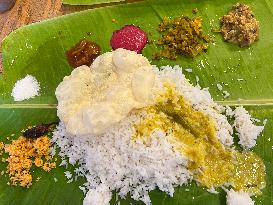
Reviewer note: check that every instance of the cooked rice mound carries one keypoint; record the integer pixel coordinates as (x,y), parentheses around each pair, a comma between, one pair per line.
(112,161)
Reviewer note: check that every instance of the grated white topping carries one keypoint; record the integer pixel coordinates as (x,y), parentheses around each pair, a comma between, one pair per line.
(68,174)
(219,87)
(25,88)
(238,198)
(247,131)
(226,94)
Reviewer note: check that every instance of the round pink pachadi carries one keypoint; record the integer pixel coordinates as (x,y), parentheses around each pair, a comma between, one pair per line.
(129,37)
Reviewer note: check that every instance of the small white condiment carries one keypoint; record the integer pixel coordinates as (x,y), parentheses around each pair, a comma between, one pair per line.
(25,88)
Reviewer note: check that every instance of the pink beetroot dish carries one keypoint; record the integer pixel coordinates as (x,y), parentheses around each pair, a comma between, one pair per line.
(129,37)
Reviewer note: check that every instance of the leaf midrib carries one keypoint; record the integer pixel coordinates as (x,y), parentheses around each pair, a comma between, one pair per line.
(239,102)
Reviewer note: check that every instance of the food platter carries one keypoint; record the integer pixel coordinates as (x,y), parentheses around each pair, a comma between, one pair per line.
(39,49)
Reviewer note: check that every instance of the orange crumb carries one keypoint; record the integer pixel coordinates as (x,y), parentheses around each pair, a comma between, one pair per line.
(39,145)
(23,153)
(2,145)
(48,166)
(48,158)
(38,162)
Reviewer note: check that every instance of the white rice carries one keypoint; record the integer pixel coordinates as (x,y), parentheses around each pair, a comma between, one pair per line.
(99,196)
(68,174)
(247,131)
(219,87)
(226,94)
(189,70)
(25,88)
(238,198)
(112,162)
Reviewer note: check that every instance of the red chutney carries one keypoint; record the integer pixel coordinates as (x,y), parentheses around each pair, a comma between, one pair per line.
(83,53)
(129,37)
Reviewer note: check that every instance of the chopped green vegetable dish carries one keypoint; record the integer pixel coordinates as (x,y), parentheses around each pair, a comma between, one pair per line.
(182,36)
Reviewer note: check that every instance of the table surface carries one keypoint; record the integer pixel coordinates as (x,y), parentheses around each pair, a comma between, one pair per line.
(29,11)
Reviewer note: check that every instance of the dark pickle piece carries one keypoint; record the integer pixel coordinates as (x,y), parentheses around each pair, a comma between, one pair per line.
(38,130)
(83,53)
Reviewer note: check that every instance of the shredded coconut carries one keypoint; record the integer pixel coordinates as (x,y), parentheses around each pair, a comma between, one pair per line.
(212,190)
(189,70)
(226,94)
(229,111)
(247,131)
(197,79)
(100,196)
(83,189)
(238,198)
(68,174)
(219,87)
(25,88)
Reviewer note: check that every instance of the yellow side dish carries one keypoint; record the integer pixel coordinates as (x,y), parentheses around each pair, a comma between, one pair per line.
(193,134)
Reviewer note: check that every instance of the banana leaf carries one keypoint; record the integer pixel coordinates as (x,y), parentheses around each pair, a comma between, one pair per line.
(89,2)
(39,50)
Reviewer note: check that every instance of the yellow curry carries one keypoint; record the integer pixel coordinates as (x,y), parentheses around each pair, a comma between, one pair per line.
(193,134)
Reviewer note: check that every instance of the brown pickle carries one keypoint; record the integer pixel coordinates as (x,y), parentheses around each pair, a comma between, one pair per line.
(37,131)
(83,53)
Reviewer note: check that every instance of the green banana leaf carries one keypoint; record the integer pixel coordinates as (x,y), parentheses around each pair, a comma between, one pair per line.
(38,49)
(89,2)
